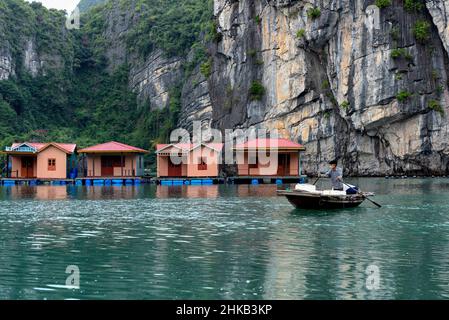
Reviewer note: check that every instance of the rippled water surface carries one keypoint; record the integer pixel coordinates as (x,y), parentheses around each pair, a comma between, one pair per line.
(222,242)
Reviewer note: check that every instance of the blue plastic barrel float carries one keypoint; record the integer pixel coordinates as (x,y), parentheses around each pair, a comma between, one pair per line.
(254,181)
(187,182)
(108,182)
(117,181)
(195,182)
(137,182)
(98,182)
(128,182)
(33,183)
(88,182)
(278,181)
(178,182)
(9,182)
(166,182)
(79,182)
(207,181)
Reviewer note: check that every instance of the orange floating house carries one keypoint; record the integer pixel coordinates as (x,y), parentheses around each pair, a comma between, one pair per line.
(287,154)
(31,160)
(195,160)
(113,159)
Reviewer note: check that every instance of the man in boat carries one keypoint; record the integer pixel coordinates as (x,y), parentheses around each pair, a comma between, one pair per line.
(336,175)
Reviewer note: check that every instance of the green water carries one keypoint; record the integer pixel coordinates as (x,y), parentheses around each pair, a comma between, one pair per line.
(222,242)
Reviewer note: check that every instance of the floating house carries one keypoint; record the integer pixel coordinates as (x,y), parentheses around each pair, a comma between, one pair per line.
(287,154)
(48,161)
(113,159)
(186,160)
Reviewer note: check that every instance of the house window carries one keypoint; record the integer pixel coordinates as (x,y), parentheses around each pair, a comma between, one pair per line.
(202,164)
(51,164)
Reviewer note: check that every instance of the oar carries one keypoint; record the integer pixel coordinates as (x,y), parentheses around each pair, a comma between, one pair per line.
(319,177)
(373,202)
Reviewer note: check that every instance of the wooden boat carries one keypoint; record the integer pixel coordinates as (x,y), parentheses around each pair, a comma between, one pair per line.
(313,199)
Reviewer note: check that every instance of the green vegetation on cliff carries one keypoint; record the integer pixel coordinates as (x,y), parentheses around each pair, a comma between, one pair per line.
(173,26)
(73,95)
(85,5)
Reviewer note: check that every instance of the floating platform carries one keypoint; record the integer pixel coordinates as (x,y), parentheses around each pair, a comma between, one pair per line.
(109,181)
(129,181)
(254,180)
(35,182)
(188,181)
(77,182)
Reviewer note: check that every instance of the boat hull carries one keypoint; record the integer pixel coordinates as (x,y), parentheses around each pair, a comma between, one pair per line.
(304,200)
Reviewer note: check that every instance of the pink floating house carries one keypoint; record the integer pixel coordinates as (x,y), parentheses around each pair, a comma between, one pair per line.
(188,160)
(31,160)
(286,152)
(113,159)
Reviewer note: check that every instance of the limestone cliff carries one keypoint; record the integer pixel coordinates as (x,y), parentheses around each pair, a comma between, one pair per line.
(345,78)
(6,63)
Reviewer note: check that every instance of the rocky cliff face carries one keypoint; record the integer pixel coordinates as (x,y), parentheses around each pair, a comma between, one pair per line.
(155,77)
(347,79)
(33,61)
(34,40)
(195,102)
(151,77)
(6,63)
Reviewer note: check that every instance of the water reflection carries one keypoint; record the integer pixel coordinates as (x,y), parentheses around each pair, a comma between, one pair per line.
(221,242)
(187,191)
(50,192)
(106,192)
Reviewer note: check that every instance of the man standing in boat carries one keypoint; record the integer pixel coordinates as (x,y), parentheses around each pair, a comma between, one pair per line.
(336,175)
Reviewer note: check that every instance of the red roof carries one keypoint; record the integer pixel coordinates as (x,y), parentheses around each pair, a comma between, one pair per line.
(279,143)
(112,146)
(190,146)
(67,147)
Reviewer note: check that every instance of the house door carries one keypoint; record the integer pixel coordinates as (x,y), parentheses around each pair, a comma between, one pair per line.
(284,165)
(108,163)
(27,167)
(174,170)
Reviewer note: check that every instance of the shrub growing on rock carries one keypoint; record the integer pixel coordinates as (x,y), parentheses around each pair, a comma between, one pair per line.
(403,95)
(435,105)
(421,30)
(413,5)
(314,13)
(383,3)
(300,33)
(256,90)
